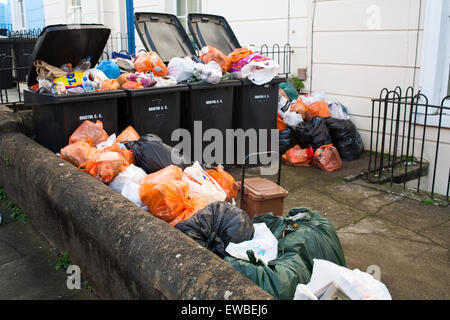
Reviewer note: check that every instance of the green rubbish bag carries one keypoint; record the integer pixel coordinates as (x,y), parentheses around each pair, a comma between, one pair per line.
(306,233)
(291,92)
(279,278)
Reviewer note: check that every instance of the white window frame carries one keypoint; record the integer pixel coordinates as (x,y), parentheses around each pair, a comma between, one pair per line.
(434,69)
(76,10)
(175,6)
(15,10)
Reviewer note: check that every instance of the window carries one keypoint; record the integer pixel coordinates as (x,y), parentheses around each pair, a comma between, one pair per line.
(20,14)
(76,11)
(184,7)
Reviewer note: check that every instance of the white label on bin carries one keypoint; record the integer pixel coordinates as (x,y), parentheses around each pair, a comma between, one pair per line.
(218,101)
(262,96)
(91,117)
(157,108)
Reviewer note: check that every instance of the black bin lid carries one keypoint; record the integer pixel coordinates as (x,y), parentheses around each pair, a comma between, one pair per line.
(214,31)
(60,44)
(163,34)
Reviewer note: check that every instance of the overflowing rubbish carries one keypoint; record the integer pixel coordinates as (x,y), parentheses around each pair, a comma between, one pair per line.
(263,244)
(208,54)
(299,157)
(152,154)
(307,234)
(333,282)
(313,133)
(279,277)
(327,158)
(346,138)
(217,225)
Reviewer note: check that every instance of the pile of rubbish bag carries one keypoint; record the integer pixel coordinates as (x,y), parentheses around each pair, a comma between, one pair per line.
(148,70)
(314,131)
(298,256)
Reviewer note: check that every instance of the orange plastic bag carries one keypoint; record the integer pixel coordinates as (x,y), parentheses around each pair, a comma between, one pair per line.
(212,54)
(170,202)
(239,54)
(327,158)
(90,132)
(280,124)
(150,61)
(126,155)
(225,181)
(105,167)
(300,107)
(79,152)
(132,85)
(129,134)
(299,157)
(161,176)
(123,78)
(318,109)
(110,85)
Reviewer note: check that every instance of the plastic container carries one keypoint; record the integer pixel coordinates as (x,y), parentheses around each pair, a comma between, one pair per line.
(262,196)
(23,49)
(6,63)
(153,110)
(212,104)
(255,107)
(56,117)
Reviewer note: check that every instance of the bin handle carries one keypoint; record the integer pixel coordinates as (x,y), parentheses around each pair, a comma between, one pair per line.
(244,166)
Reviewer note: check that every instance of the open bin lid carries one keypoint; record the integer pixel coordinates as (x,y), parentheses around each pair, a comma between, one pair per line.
(214,31)
(60,44)
(164,34)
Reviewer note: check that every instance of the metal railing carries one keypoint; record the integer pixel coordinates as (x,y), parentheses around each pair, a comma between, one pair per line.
(400,133)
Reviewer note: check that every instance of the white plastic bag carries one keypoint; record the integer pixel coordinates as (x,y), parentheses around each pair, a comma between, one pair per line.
(356,284)
(260,72)
(182,69)
(303,293)
(108,143)
(202,184)
(338,111)
(127,183)
(310,99)
(291,119)
(211,72)
(131,174)
(264,245)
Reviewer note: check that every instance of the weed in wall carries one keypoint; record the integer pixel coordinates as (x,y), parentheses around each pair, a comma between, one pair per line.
(64,262)
(17,213)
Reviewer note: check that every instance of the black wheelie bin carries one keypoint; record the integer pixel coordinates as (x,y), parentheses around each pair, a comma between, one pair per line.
(155,110)
(256,106)
(56,117)
(211,104)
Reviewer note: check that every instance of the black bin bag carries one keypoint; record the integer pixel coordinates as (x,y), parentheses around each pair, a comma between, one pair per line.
(313,133)
(218,224)
(279,278)
(346,138)
(307,234)
(153,155)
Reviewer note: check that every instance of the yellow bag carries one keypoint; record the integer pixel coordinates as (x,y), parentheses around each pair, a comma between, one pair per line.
(71,80)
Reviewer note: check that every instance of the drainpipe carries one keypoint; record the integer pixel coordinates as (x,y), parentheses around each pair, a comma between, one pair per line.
(130,26)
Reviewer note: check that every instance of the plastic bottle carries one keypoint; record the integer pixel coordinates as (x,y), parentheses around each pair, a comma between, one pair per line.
(67,67)
(88,85)
(84,65)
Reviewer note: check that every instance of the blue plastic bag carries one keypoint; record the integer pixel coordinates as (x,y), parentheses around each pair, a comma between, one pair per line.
(110,69)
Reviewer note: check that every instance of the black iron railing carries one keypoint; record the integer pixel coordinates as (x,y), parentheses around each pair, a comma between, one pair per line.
(400,132)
